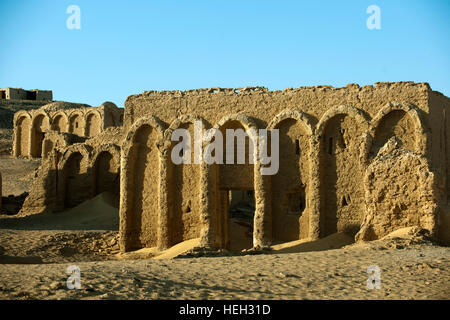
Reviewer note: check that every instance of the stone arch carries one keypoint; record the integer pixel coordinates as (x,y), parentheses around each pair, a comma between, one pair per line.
(360,117)
(402,120)
(246,121)
(236,191)
(76,123)
(22,134)
(93,122)
(74,185)
(40,125)
(60,122)
(105,164)
(140,174)
(341,133)
(185,184)
(290,186)
(301,117)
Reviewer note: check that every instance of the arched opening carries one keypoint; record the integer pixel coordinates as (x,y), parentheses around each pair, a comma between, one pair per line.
(236,191)
(59,124)
(93,124)
(41,124)
(106,175)
(185,189)
(143,188)
(290,184)
(396,123)
(75,186)
(23,128)
(75,125)
(341,176)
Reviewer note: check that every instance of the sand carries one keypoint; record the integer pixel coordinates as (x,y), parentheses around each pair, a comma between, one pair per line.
(17,175)
(414,273)
(99,213)
(411,267)
(334,241)
(35,252)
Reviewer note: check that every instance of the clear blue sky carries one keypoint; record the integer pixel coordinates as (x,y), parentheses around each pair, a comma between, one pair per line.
(127,47)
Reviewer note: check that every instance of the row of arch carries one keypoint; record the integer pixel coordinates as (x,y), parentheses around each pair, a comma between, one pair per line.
(30,128)
(317,190)
(84,172)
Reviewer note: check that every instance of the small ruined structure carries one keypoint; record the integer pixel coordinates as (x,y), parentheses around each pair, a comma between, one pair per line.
(37,132)
(74,173)
(364,160)
(21,94)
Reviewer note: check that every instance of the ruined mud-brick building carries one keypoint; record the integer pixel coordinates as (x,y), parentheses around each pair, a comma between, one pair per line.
(76,172)
(365,160)
(80,150)
(37,132)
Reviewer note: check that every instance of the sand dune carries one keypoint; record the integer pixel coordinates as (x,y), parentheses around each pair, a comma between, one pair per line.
(179,249)
(172,252)
(98,213)
(334,241)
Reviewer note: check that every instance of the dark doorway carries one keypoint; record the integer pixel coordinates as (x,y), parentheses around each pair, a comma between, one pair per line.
(73,183)
(238,225)
(38,142)
(31,95)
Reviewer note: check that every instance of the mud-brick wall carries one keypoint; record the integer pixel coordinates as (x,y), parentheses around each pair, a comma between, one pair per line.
(342,192)
(30,127)
(72,174)
(142,186)
(44,95)
(185,180)
(400,191)
(329,137)
(440,120)
(264,105)
(291,184)
(16,94)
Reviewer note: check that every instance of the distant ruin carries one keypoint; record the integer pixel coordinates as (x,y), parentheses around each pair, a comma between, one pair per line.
(362,160)
(31,127)
(21,94)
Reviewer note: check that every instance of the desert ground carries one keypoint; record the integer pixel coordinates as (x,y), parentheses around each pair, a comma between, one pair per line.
(35,252)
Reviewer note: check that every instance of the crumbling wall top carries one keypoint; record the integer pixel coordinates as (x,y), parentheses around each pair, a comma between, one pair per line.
(263,90)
